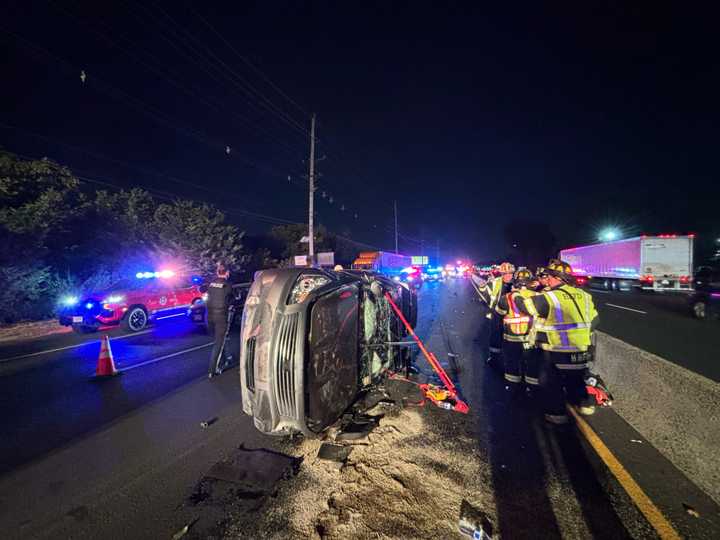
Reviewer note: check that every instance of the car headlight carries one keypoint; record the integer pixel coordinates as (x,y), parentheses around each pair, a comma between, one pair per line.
(69,301)
(204,297)
(115,299)
(304,286)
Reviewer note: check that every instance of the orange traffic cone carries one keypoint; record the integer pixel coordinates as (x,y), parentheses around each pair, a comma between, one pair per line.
(105,364)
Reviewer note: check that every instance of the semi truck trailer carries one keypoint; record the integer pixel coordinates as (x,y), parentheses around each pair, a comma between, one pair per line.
(382,262)
(658,263)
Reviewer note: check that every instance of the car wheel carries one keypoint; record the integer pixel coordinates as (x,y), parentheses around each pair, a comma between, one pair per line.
(135,319)
(699,309)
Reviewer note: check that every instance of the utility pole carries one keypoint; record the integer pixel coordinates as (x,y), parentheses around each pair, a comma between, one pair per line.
(396,229)
(311,202)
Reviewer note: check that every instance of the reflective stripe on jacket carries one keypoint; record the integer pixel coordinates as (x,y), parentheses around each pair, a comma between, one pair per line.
(567,326)
(517,324)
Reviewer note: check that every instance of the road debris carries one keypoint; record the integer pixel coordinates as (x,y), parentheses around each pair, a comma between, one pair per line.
(638,441)
(386,489)
(473,522)
(334,452)
(242,482)
(182,532)
(690,510)
(207,423)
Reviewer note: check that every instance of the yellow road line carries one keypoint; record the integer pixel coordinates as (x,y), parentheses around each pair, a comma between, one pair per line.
(651,512)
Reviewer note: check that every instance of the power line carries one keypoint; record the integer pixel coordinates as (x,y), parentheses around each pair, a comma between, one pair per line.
(164,72)
(123,163)
(230,74)
(145,108)
(250,64)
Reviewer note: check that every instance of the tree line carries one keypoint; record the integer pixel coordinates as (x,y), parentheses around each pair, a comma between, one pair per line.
(59,236)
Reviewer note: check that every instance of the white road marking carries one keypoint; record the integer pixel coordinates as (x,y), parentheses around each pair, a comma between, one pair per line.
(48,351)
(626,308)
(159,358)
(170,316)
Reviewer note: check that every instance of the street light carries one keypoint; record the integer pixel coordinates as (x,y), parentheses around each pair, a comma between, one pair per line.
(608,235)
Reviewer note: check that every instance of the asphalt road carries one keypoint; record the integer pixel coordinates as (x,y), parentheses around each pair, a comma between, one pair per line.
(116,459)
(661,323)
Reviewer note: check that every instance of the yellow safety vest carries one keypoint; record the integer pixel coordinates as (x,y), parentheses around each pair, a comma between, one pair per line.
(517,324)
(567,326)
(493,288)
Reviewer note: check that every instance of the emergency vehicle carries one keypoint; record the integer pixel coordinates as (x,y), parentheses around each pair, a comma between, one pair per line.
(134,303)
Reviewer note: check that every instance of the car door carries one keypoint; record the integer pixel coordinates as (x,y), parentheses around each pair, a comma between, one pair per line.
(185,294)
(159,297)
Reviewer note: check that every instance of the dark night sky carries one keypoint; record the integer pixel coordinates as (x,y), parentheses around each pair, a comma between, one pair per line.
(469,116)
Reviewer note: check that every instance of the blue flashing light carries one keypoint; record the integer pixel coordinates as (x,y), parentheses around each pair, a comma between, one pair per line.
(89,305)
(196,279)
(157,274)
(69,300)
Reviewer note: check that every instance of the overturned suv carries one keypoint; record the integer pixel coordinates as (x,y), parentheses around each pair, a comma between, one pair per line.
(313,340)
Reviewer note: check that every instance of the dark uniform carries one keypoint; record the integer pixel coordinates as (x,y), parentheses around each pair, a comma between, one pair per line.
(220,296)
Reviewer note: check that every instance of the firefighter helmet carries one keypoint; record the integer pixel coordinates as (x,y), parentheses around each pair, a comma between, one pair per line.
(559,269)
(523,276)
(506,268)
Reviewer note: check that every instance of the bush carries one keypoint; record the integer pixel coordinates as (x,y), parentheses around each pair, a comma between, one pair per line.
(58,237)
(29,293)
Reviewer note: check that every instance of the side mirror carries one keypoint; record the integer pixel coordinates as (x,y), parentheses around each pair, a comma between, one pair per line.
(203,288)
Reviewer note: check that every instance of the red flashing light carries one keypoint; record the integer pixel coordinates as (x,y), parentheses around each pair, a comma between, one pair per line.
(647,278)
(685,279)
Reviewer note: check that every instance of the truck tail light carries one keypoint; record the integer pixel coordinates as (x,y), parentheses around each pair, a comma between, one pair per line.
(685,279)
(647,278)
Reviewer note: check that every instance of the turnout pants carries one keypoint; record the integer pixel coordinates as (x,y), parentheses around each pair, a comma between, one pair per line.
(217,325)
(496,335)
(520,363)
(562,378)
(513,360)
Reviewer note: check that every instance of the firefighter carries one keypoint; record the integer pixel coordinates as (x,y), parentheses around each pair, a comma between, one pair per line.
(492,292)
(519,358)
(565,317)
(220,298)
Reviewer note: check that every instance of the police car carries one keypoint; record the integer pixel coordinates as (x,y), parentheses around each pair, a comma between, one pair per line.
(133,303)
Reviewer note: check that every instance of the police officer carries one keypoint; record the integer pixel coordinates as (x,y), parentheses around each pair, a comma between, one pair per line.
(220,296)
(519,358)
(494,289)
(565,319)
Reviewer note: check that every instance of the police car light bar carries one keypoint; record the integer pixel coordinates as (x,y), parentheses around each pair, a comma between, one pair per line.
(160,274)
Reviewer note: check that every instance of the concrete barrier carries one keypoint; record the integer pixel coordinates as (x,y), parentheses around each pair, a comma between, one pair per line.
(676,410)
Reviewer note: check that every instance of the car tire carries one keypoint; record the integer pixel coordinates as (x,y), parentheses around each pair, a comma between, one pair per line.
(135,319)
(700,310)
